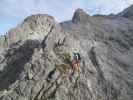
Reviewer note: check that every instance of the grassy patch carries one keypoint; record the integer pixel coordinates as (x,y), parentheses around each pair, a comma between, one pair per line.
(63,68)
(67,57)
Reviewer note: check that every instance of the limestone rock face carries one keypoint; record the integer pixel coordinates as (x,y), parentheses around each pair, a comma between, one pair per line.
(33,27)
(38,66)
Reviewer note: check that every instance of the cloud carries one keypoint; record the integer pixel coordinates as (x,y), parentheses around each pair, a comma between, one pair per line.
(58,8)
(14,11)
(108,6)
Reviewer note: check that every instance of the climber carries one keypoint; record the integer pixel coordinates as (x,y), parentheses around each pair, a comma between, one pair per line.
(76,62)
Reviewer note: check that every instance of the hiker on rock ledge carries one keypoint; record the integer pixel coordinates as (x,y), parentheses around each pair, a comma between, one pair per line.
(76,62)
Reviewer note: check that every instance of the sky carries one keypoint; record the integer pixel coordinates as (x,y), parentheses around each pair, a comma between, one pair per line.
(13,12)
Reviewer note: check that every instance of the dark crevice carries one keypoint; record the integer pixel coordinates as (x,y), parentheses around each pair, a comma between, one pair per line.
(45,38)
(50,75)
(37,95)
(52,95)
(50,91)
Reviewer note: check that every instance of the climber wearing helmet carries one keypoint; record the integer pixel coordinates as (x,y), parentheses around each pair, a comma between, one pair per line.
(76,62)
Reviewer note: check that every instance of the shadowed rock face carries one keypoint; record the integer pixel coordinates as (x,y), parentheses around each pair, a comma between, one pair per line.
(16,59)
(34,67)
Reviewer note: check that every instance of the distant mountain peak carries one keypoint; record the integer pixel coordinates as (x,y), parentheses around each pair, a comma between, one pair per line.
(80,16)
(127,13)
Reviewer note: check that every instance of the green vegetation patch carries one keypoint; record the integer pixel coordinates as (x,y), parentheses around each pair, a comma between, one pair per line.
(66,57)
(63,68)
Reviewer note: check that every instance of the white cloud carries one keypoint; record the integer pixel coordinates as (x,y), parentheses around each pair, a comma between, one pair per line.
(60,9)
(107,6)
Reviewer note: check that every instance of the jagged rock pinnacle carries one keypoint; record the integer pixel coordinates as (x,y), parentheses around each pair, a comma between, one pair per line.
(80,16)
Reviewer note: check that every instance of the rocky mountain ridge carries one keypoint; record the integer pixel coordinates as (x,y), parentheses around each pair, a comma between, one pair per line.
(127,13)
(35,61)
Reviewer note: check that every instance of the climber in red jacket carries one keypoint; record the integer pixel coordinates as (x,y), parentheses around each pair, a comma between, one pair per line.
(76,62)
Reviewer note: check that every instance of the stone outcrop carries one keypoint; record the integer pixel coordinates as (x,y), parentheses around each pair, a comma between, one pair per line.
(36,64)
(33,27)
(80,16)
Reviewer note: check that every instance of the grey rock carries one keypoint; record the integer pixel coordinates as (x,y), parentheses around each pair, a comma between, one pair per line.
(33,67)
(80,16)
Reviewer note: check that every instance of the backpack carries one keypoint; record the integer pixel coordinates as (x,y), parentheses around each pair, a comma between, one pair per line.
(77,56)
